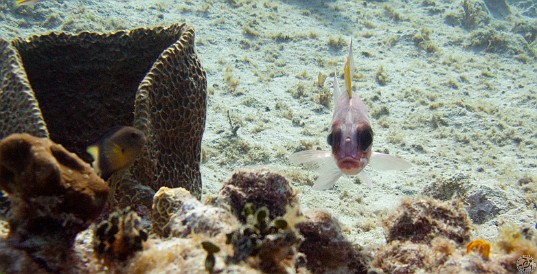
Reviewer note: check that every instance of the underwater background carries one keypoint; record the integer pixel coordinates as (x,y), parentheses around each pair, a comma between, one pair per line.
(451,86)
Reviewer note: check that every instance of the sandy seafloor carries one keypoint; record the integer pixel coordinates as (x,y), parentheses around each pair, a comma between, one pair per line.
(459,107)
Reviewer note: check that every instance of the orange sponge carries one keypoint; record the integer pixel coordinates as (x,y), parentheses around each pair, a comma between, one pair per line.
(479,246)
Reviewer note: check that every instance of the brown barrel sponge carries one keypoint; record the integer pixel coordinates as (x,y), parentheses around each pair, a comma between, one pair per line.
(74,87)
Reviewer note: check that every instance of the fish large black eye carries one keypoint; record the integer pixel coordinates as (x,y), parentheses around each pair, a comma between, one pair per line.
(366,139)
(329,139)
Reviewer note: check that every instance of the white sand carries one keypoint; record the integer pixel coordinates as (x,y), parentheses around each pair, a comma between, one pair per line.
(484,103)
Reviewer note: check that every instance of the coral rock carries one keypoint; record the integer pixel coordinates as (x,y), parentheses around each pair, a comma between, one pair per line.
(473,264)
(325,247)
(421,220)
(485,203)
(195,217)
(120,236)
(166,202)
(180,255)
(271,243)
(14,260)
(423,235)
(408,257)
(262,189)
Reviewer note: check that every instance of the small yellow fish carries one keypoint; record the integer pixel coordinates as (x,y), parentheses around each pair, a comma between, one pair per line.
(116,150)
(27,2)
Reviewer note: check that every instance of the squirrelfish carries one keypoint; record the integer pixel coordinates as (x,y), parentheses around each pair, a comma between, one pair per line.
(116,150)
(350,136)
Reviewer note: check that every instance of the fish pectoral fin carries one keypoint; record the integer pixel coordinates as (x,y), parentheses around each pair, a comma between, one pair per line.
(309,156)
(27,2)
(329,173)
(381,161)
(114,154)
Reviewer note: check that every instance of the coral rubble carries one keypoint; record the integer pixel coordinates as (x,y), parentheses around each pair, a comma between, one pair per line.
(262,189)
(426,235)
(120,236)
(422,234)
(421,220)
(196,217)
(485,203)
(211,237)
(166,202)
(326,249)
(53,194)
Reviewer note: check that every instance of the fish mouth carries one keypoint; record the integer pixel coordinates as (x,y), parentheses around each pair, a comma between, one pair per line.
(351,166)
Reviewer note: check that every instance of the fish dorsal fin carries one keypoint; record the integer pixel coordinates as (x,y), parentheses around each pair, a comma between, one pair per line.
(337,91)
(348,71)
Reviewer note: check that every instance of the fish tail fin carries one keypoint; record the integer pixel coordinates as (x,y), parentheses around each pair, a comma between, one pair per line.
(93,150)
(348,71)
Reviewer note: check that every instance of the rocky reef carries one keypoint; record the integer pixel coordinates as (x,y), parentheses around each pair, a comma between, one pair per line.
(253,225)
(188,236)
